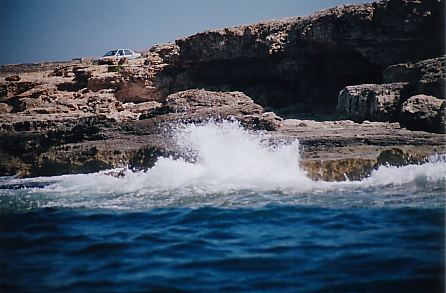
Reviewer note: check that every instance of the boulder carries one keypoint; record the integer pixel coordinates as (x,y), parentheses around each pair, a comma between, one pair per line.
(373,102)
(422,112)
(201,105)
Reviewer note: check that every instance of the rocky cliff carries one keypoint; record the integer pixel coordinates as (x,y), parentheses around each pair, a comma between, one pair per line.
(380,62)
(303,63)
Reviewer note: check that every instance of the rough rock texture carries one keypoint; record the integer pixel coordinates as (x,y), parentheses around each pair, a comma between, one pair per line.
(423,112)
(340,150)
(202,105)
(384,102)
(373,102)
(77,117)
(427,76)
(306,61)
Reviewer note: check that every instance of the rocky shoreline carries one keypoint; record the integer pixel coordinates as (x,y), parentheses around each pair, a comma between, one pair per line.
(359,86)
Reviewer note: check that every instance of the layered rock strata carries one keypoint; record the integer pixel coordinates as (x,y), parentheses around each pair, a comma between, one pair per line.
(385,57)
(304,62)
(413,94)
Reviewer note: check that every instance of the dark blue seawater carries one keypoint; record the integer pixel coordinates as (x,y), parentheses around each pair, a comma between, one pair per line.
(274,248)
(242,218)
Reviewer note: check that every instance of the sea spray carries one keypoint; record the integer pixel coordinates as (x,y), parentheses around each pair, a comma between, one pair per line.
(230,157)
(227,165)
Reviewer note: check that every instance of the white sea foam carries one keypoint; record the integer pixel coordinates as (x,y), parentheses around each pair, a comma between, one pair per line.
(223,159)
(434,170)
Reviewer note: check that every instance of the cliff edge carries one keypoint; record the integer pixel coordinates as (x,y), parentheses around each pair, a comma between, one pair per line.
(358,85)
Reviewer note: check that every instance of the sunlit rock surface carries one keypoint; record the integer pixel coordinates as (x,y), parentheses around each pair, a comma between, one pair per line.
(298,78)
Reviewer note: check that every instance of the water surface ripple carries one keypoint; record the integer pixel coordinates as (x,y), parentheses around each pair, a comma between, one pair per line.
(213,249)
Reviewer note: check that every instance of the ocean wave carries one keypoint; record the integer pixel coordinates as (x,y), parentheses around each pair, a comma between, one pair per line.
(225,165)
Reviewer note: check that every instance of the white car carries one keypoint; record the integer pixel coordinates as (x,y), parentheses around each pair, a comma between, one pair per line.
(112,56)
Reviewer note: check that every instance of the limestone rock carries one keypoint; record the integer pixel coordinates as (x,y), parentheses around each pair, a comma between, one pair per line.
(84,73)
(422,112)
(12,88)
(65,71)
(5,108)
(3,90)
(102,102)
(13,78)
(308,60)
(426,76)
(102,81)
(167,52)
(200,105)
(137,84)
(142,107)
(373,102)
(69,117)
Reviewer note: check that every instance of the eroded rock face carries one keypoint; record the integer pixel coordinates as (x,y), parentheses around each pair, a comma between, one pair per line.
(384,102)
(373,102)
(201,105)
(422,112)
(426,76)
(307,61)
(142,107)
(5,108)
(79,117)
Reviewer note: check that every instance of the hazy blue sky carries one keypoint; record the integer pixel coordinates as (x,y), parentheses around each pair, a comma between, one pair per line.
(40,30)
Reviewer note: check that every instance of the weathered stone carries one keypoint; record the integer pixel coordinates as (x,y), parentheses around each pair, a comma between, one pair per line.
(338,169)
(3,90)
(13,78)
(168,52)
(142,107)
(64,71)
(102,81)
(395,157)
(423,112)
(426,76)
(84,73)
(137,85)
(12,88)
(102,102)
(40,67)
(30,103)
(308,60)
(5,108)
(201,105)
(298,65)
(373,102)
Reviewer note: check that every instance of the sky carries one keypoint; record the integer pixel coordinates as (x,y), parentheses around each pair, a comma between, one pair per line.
(51,30)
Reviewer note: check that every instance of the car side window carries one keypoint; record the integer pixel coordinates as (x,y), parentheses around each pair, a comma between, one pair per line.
(127,52)
(121,53)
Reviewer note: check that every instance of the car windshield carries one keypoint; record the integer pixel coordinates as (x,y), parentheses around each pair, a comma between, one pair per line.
(110,53)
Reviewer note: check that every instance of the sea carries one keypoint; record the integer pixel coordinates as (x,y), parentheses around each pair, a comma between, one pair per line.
(235,214)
